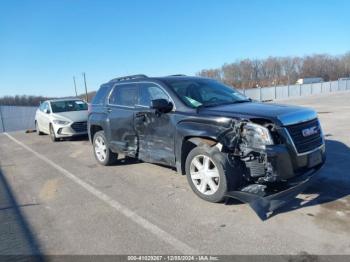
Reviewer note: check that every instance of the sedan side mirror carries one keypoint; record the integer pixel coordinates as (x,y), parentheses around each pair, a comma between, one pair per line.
(162,105)
(47,111)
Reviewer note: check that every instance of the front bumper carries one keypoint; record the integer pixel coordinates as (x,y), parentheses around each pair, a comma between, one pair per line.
(265,205)
(290,175)
(66,131)
(287,164)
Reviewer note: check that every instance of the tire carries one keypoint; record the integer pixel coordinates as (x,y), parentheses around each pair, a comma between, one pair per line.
(227,178)
(39,133)
(103,154)
(52,134)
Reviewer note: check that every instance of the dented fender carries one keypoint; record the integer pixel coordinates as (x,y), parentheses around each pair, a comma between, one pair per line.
(209,130)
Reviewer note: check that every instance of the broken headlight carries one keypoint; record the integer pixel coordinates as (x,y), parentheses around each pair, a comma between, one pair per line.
(256,136)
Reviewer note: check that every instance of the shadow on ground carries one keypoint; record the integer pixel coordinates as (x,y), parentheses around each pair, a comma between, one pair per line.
(69,139)
(333,182)
(16,235)
(74,139)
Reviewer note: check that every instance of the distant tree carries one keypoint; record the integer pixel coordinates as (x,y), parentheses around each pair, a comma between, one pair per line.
(30,100)
(211,73)
(22,100)
(91,95)
(247,73)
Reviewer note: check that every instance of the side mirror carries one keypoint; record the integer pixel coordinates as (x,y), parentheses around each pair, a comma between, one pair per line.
(162,105)
(47,111)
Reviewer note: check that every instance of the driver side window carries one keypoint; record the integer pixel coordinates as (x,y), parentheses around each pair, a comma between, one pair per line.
(149,92)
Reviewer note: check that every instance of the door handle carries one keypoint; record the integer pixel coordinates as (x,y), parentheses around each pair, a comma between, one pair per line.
(109,109)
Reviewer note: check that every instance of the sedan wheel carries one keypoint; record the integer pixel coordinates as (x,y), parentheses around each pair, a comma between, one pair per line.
(205,175)
(52,134)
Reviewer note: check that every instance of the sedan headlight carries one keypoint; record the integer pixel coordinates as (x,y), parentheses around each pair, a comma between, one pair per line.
(256,136)
(60,122)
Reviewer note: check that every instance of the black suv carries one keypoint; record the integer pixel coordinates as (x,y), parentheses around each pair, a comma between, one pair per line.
(223,141)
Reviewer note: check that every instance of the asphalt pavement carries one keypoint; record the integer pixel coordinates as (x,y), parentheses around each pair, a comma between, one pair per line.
(55,199)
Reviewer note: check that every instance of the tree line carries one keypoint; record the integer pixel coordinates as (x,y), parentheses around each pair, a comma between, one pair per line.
(22,100)
(250,73)
(29,100)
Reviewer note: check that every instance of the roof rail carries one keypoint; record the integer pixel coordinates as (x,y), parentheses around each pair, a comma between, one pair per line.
(178,75)
(124,78)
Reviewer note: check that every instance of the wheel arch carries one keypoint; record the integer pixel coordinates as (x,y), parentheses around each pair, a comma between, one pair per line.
(191,142)
(93,129)
(190,134)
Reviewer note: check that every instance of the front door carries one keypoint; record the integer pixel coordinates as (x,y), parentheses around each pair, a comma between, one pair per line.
(155,131)
(121,108)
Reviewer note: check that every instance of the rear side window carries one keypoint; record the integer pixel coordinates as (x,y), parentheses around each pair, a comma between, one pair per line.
(124,95)
(101,95)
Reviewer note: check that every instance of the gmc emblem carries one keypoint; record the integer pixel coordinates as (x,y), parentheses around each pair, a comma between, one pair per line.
(310,131)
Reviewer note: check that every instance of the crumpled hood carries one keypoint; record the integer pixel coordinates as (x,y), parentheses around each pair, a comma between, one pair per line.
(73,116)
(282,114)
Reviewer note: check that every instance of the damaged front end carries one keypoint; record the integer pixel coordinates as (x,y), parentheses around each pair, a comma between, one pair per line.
(273,171)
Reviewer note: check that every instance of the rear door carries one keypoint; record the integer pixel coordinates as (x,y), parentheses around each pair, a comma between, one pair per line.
(120,109)
(44,117)
(155,131)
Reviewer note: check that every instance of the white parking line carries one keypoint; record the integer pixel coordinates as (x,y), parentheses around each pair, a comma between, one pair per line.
(152,228)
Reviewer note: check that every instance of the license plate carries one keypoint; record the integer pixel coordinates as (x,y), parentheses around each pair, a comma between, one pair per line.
(315,158)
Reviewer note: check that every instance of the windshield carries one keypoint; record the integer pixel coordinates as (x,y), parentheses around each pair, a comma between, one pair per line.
(67,106)
(205,92)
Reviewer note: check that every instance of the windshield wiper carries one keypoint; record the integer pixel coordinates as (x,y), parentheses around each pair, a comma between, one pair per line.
(222,104)
(209,105)
(242,101)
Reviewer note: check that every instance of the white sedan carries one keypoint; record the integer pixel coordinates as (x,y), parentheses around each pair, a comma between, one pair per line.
(62,118)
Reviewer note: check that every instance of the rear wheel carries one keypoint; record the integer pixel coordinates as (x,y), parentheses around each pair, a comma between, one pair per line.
(103,154)
(210,173)
(38,129)
(52,134)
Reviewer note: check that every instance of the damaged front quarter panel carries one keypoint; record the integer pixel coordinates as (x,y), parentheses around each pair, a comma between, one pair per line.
(266,169)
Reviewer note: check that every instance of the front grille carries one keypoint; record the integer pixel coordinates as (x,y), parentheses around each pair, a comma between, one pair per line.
(305,143)
(79,127)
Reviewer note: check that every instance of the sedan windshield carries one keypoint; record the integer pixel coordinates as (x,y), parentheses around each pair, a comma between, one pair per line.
(68,106)
(205,92)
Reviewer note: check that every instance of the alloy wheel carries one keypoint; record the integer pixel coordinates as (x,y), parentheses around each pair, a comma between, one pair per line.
(204,174)
(100,148)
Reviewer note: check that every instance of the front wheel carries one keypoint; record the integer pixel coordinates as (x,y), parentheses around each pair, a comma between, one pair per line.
(210,173)
(103,154)
(52,134)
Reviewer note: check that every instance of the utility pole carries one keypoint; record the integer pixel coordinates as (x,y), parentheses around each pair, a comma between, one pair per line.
(86,93)
(75,86)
